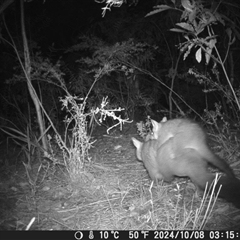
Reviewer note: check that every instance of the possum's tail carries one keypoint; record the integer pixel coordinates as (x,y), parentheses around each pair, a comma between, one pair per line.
(230,190)
(199,174)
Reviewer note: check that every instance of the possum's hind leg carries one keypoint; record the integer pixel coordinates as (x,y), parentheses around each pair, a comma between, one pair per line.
(195,167)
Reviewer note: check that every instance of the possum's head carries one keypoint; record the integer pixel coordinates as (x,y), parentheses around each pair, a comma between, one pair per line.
(156,127)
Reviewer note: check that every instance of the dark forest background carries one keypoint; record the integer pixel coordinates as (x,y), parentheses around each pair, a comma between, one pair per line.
(152,58)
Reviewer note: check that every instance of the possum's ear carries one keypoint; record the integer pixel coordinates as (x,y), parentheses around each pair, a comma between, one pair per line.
(138,146)
(155,129)
(164,119)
